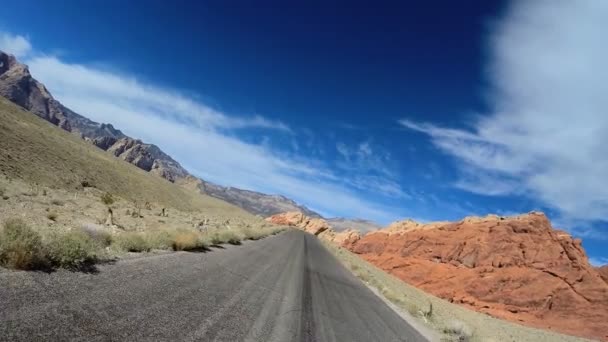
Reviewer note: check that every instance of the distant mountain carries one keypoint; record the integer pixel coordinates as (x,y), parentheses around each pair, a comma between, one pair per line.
(18,85)
(340,224)
(255,202)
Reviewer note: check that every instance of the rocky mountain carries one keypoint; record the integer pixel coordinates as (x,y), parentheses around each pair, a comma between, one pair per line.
(254,202)
(18,85)
(340,223)
(516,268)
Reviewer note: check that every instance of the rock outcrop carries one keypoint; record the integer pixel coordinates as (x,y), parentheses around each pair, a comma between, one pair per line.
(515,268)
(341,238)
(603,271)
(18,85)
(297,219)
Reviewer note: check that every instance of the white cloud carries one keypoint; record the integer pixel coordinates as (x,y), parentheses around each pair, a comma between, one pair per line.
(599,261)
(14,44)
(370,169)
(546,136)
(203,139)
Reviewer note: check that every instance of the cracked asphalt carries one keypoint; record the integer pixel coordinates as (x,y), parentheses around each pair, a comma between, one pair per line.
(283,288)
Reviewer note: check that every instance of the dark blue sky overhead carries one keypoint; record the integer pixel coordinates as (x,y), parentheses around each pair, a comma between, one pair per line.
(331,82)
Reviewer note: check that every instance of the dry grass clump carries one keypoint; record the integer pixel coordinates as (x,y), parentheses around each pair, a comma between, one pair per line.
(458,330)
(107,198)
(230,236)
(132,242)
(57,202)
(98,234)
(188,240)
(71,249)
(20,246)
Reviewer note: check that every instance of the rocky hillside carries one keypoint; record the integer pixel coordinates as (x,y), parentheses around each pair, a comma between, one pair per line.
(340,223)
(255,202)
(18,85)
(515,268)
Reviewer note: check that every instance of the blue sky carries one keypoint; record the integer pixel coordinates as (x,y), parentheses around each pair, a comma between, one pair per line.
(407,109)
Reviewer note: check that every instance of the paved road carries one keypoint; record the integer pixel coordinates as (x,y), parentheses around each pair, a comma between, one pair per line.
(284,288)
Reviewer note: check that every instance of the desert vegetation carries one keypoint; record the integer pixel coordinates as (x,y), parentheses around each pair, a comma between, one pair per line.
(453,322)
(70,229)
(24,247)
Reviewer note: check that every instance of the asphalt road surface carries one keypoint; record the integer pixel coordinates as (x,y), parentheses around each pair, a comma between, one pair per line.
(283,288)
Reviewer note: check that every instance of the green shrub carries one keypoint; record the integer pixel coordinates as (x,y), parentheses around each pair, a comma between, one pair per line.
(72,250)
(20,246)
(107,198)
(132,242)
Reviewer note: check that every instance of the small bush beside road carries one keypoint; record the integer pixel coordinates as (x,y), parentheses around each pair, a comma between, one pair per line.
(26,248)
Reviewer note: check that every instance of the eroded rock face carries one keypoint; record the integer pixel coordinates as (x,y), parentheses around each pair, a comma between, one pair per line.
(603,271)
(341,238)
(517,268)
(18,85)
(297,219)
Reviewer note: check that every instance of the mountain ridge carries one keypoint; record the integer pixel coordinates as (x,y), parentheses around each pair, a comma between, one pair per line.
(20,87)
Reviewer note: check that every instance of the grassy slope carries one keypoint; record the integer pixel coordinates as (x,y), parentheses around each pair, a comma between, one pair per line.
(38,152)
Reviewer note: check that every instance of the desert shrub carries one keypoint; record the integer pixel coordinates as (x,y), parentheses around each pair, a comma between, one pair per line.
(20,246)
(43,192)
(98,234)
(52,216)
(72,249)
(57,202)
(159,239)
(226,236)
(107,198)
(132,242)
(183,241)
(459,330)
(251,234)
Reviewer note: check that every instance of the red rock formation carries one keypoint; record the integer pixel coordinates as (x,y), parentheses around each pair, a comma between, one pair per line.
(343,238)
(517,268)
(297,219)
(603,271)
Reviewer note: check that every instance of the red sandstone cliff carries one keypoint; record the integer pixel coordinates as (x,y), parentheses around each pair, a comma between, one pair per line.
(516,268)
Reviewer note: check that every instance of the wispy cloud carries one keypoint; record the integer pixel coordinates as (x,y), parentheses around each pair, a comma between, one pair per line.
(205,140)
(370,168)
(546,135)
(15,44)
(597,262)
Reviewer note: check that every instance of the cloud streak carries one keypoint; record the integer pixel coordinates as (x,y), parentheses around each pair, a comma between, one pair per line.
(205,140)
(15,44)
(546,134)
